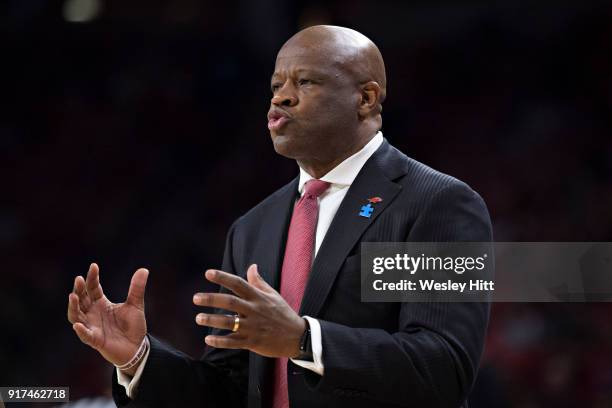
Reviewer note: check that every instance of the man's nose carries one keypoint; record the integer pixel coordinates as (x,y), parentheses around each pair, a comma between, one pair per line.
(284,98)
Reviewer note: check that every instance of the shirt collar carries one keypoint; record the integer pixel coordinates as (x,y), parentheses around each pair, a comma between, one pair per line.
(345,173)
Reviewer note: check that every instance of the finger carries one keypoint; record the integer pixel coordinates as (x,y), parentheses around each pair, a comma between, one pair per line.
(232,282)
(231,341)
(138,285)
(74,312)
(256,280)
(79,290)
(222,301)
(85,335)
(92,283)
(218,321)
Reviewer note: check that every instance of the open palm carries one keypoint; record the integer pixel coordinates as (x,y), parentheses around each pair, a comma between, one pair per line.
(115,330)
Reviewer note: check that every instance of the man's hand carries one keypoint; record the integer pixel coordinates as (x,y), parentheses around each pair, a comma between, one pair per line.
(268,325)
(115,330)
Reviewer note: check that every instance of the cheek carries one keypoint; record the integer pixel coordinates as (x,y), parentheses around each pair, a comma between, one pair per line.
(330,110)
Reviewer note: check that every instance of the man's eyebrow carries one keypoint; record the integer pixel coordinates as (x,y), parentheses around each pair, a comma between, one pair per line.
(310,71)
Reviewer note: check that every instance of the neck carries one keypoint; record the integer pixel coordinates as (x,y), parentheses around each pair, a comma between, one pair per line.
(317,168)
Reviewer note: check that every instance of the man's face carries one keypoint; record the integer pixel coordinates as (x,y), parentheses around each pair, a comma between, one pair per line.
(313,112)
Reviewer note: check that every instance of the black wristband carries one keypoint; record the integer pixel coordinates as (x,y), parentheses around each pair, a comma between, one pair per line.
(305,345)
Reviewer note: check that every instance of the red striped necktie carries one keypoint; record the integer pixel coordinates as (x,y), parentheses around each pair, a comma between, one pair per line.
(296,268)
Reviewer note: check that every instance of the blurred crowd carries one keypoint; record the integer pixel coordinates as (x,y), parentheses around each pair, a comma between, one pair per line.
(136,137)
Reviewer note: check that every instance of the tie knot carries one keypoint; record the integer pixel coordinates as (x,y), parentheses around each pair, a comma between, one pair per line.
(314,188)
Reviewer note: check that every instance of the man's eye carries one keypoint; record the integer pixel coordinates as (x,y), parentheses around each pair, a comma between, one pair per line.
(304,81)
(274,87)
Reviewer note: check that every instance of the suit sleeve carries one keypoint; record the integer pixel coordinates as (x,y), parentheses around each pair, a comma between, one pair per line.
(173,379)
(433,358)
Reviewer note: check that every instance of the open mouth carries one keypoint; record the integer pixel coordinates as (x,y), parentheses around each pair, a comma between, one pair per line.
(277,120)
(277,123)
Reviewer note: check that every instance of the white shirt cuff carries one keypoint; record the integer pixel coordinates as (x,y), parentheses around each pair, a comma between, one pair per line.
(131,383)
(317,348)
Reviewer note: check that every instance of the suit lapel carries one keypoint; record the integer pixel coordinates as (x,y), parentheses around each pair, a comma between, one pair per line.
(347,226)
(275,225)
(269,252)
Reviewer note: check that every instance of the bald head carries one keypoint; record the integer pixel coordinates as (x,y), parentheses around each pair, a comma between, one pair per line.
(327,88)
(350,50)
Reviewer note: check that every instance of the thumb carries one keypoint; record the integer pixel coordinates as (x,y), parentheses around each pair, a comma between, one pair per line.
(136,292)
(85,334)
(255,279)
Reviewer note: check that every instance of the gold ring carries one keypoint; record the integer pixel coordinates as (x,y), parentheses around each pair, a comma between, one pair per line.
(236,323)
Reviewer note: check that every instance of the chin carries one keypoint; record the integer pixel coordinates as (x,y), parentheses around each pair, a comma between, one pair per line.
(284,145)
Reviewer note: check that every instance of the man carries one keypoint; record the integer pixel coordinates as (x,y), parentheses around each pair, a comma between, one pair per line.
(299,335)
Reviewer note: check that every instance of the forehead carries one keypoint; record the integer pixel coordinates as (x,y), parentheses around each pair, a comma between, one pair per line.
(313,58)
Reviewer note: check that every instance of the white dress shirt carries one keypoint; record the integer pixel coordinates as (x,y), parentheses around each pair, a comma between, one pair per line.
(340,177)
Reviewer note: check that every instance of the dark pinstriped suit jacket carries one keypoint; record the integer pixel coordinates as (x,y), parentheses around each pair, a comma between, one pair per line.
(375,354)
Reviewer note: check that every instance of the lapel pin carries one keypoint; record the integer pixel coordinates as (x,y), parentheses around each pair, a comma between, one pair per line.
(367,210)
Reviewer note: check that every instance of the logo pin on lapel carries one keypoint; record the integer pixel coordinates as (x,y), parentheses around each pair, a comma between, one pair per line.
(367,210)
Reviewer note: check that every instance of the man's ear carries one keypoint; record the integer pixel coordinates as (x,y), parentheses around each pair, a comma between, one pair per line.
(370,99)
